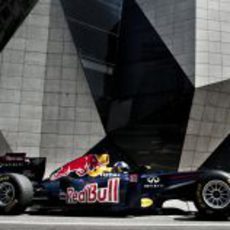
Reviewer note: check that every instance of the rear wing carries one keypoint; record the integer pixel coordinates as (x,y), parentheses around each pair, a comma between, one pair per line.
(31,167)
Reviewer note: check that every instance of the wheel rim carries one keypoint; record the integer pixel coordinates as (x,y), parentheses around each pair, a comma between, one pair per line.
(7,193)
(216,194)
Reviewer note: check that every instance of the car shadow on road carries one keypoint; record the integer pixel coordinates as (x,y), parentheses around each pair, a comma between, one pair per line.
(196,217)
(101,213)
(178,214)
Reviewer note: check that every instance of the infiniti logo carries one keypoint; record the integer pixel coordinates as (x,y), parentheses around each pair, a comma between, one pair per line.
(154,180)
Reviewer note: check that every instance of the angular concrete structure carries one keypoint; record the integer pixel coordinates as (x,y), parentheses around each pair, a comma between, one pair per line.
(149,77)
(46,108)
(208,125)
(212,42)
(175,22)
(203,28)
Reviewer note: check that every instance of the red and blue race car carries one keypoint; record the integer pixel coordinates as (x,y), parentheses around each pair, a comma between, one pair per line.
(95,182)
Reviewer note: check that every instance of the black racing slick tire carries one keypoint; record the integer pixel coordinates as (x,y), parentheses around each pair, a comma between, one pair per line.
(16,193)
(212,197)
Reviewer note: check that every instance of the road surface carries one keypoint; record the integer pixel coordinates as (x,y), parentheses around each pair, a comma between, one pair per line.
(156,222)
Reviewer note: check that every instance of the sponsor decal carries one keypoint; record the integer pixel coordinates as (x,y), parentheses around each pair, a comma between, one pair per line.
(146,202)
(4,178)
(14,158)
(11,164)
(154,180)
(153,186)
(65,171)
(81,166)
(91,193)
(133,178)
(110,175)
(81,171)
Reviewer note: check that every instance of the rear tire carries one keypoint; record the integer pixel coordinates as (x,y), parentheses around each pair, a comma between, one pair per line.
(213,198)
(16,193)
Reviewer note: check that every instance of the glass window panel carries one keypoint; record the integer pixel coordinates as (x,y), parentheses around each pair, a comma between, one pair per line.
(161,94)
(102,14)
(12,13)
(94,44)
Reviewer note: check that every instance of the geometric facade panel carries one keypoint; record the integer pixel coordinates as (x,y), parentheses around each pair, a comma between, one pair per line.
(158,72)
(22,72)
(212,42)
(174,21)
(208,126)
(46,108)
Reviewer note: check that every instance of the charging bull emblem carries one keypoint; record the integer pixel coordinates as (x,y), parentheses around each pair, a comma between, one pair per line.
(91,164)
(91,193)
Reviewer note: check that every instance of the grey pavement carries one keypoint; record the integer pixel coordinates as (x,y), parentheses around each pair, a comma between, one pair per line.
(35,222)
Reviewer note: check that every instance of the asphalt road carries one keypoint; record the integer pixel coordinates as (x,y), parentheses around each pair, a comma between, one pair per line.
(158,222)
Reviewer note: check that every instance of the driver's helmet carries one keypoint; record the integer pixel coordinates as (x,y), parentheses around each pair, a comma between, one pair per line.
(121,166)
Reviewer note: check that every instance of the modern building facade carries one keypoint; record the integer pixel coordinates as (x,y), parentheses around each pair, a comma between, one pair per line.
(148,78)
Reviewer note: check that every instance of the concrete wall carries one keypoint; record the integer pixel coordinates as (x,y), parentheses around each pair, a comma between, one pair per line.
(209,122)
(197,32)
(46,108)
(174,20)
(23,64)
(212,41)
(208,126)
(70,123)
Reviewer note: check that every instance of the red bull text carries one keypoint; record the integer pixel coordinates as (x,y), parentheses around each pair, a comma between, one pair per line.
(91,193)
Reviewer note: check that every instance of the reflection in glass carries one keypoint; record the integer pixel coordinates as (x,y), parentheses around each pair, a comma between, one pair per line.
(97,14)
(94,44)
(142,94)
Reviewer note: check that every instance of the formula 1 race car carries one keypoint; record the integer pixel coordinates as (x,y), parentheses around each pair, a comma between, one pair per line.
(95,182)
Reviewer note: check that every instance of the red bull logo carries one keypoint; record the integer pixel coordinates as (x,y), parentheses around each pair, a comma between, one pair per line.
(80,166)
(93,194)
(65,171)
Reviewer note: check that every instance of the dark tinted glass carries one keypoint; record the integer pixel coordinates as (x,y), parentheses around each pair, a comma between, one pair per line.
(94,44)
(103,14)
(95,27)
(145,102)
(157,93)
(100,84)
(12,13)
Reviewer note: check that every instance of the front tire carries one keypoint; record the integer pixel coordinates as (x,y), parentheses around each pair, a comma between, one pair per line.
(16,193)
(213,197)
